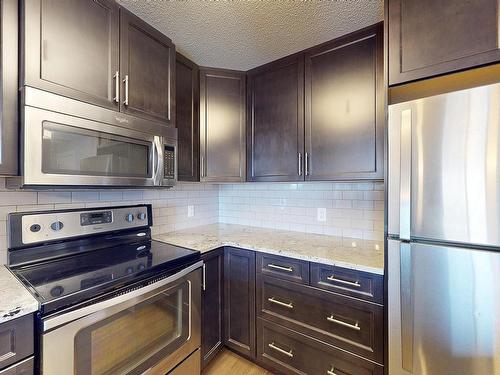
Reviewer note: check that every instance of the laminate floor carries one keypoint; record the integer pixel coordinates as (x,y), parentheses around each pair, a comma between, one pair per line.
(228,363)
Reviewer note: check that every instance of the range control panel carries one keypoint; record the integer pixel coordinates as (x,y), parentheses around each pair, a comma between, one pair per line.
(33,227)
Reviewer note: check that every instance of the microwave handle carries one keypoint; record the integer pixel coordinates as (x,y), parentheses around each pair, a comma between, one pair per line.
(71,316)
(157,157)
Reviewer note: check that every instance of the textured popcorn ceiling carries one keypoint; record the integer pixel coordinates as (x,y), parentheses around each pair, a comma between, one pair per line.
(244,34)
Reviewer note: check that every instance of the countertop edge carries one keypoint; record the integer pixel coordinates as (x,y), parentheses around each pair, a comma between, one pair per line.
(13,289)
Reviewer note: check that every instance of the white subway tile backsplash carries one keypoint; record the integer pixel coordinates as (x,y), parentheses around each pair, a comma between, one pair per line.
(354,209)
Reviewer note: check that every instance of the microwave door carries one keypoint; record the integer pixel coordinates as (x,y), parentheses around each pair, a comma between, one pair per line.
(63,150)
(444,166)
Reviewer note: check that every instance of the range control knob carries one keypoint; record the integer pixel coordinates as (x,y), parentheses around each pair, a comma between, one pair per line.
(56,226)
(129,217)
(35,228)
(141,215)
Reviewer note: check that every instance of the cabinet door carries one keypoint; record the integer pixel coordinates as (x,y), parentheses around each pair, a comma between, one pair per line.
(428,37)
(17,338)
(239,300)
(212,301)
(147,68)
(344,108)
(8,87)
(71,48)
(187,102)
(222,125)
(275,133)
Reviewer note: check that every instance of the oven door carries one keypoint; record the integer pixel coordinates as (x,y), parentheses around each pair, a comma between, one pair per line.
(156,325)
(64,150)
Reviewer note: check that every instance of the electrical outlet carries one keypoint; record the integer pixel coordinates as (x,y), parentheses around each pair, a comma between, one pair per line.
(282,202)
(190,211)
(321,216)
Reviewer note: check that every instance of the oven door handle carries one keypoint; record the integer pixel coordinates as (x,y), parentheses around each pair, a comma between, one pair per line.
(63,319)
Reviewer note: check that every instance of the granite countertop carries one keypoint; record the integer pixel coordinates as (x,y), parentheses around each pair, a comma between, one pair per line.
(362,255)
(15,299)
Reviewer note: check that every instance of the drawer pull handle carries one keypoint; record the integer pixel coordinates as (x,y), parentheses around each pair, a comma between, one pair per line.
(281,268)
(275,301)
(331,371)
(340,322)
(355,284)
(279,350)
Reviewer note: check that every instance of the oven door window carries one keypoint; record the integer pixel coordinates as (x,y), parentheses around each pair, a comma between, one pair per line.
(75,151)
(130,341)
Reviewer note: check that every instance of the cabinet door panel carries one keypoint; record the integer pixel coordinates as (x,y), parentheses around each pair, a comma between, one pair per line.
(187,92)
(422,45)
(222,125)
(344,108)
(239,300)
(148,62)
(275,136)
(71,48)
(212,302)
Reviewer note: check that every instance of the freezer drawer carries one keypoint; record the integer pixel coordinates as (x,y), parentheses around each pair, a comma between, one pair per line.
(444,161)
(444,310)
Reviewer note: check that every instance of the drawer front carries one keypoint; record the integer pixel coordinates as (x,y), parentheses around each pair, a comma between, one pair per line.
(345,322)
(26,367)
(358,284)
(290,352)
(283,268)
(16,340)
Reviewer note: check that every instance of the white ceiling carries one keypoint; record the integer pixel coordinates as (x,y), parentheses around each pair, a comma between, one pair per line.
(243,34)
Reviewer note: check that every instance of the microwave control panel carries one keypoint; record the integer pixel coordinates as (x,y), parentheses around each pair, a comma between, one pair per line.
(169,162)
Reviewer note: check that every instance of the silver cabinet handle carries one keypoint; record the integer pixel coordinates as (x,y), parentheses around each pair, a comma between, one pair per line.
(116,77)
(281,268)
(204,277)
(300,163)
(331,371)
(202,167)
(284,304)
(356,326)
(306,160)
(126,90)
(355,284)
(279,350)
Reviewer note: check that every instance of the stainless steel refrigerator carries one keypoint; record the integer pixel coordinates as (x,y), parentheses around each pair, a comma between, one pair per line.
(444,234)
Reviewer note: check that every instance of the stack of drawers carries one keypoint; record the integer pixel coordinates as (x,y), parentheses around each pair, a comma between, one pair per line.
(318,319)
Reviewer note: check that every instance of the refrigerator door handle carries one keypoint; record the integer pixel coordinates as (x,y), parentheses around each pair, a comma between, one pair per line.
(406,300)
(405,176)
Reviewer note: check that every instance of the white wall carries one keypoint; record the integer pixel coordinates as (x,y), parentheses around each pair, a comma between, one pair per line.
(169,206)
(352,209)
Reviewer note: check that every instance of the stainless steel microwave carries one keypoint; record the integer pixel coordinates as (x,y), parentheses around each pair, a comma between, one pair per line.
(68,143)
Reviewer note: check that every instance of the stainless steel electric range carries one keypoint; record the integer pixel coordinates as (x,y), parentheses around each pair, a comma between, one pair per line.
(112,300)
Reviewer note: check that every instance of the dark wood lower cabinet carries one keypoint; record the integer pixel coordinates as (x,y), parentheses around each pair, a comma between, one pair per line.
(239,301)
(16,340)
(290,352)
(212,327)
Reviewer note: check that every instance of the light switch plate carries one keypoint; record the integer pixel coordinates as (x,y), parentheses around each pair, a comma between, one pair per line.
(190,211)
(321,215)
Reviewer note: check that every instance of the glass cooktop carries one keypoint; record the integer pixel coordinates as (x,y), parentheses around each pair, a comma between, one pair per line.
(63,282)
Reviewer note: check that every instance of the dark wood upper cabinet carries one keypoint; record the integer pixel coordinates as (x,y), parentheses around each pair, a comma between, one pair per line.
(212,327)
(71,48)
(428,37)
(9,22)
(344,108)
(187,101)
(147,68)
(275,132)
(222,125)
(239,300)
